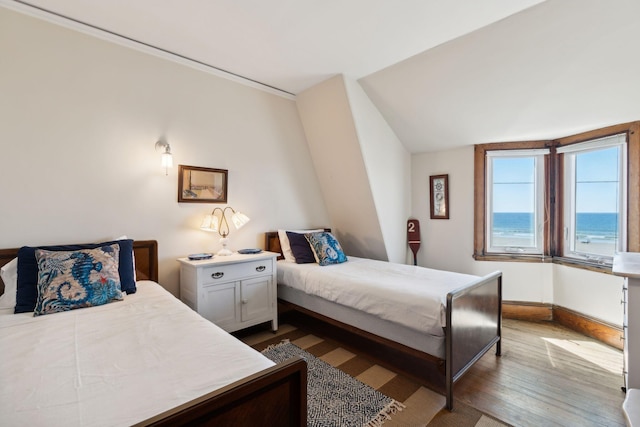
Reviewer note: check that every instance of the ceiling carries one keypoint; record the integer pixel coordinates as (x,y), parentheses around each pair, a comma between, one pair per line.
(557,69)
(442,73)
(289,44)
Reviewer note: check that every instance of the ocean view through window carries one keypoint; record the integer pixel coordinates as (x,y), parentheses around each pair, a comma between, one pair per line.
(596,232)
(579,208)
(595,181)
(515,204)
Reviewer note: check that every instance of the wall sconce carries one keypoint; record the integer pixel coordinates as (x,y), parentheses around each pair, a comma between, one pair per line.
(216,222)
(167,159)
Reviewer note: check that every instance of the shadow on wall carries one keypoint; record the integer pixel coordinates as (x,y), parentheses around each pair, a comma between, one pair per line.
(363,248)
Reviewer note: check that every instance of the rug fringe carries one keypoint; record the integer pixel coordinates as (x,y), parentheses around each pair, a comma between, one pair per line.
(385,414)
(272,346)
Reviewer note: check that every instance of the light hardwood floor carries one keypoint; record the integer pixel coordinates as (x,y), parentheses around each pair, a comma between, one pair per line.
(547,375)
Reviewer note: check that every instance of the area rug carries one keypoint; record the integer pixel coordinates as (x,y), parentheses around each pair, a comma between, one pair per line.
(333,397)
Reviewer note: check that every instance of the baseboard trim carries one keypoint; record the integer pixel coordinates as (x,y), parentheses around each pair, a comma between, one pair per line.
(594,328)
(589,326)
(531,311)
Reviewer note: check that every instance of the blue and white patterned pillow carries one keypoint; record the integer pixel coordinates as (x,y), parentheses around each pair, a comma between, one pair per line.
(326,248)
(76,279)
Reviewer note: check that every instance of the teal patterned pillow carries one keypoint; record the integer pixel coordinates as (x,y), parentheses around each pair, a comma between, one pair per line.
(75,279)
(326,248)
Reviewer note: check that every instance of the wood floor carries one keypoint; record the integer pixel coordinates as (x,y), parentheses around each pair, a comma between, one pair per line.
(548,375)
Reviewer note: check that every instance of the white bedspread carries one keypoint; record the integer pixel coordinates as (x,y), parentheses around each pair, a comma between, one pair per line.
(412,296)
(116,364)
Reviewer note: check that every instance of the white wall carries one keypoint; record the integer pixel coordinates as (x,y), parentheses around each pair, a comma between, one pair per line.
(79,118)
(330,130)
(448,245)
(446,238)
(595,294)
(363,168)
(388,166)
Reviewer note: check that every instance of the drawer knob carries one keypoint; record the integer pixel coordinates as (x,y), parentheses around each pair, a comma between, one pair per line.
(244,301)
(260,268)
(217,275)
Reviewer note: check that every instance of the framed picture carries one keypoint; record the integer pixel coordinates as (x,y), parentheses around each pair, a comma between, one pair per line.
(439,192)
(202,185)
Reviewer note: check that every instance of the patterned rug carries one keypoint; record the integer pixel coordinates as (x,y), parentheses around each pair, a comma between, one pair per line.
(422,406)
(335,398)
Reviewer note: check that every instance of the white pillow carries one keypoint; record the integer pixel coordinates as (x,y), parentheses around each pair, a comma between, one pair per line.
(9,275)
(286,247)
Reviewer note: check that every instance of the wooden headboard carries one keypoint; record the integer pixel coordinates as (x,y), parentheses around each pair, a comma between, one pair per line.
(272,243)
(145,252)
(146,259)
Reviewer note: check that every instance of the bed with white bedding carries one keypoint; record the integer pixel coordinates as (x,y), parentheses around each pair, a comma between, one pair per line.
(449,316)
(145,359)
(417,303)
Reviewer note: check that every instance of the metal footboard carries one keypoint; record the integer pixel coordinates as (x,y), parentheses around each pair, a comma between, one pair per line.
(474,325)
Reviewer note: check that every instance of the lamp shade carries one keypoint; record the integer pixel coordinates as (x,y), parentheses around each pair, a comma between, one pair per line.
(239,219)
(167,160)
(209,223)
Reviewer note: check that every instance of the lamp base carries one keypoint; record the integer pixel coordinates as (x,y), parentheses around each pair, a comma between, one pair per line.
(224,251)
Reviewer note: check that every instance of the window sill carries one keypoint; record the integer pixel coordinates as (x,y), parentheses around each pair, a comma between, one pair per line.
(583,264)
(512,257)
(569,262)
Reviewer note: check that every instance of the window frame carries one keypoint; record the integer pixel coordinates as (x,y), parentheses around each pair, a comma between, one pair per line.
(554,215)
(569,183)
(539,193)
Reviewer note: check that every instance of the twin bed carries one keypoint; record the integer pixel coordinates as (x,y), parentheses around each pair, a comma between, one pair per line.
(145,360)
(150,360)
(441,317)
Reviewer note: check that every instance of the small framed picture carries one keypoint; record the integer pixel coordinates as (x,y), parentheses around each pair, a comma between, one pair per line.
(439,192)
(202,185)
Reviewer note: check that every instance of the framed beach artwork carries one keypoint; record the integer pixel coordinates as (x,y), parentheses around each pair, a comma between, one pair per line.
(202,185)
(439,196)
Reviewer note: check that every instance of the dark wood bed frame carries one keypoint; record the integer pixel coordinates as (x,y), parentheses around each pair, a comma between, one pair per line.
(274,396)
(474,325)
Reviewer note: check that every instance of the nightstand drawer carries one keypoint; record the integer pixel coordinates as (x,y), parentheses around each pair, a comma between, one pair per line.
(224,273)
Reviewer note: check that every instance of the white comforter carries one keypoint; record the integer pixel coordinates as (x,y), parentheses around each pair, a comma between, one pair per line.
(116,364)
(412,296)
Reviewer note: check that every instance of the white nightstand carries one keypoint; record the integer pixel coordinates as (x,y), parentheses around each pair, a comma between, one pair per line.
(234,292)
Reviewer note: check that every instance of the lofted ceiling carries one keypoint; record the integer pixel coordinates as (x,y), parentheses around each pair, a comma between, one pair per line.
(557,69)
(442,73)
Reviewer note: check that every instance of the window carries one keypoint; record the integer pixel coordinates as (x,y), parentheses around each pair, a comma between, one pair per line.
(515,201)
(595,199)
(573,200)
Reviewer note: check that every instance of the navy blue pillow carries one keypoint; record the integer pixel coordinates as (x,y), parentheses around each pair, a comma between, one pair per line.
(301,249)
(27,291)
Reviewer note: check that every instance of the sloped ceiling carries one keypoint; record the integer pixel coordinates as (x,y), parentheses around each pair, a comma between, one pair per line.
(557,69)
(443,73)
(289,44)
